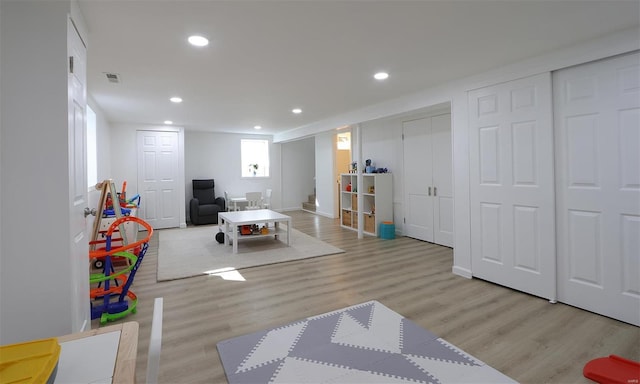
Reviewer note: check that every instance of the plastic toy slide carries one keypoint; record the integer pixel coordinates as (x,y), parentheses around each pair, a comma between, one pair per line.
(612,370)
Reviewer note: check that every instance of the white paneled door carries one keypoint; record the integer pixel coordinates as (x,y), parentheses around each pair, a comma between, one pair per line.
(417,166)
(512,185)
(442,180)
(597,118)
(158,176)
(428,186)
(77,101)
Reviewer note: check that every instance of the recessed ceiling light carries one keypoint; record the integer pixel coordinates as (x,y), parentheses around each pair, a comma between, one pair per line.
(296,110)
(176,99)
(257,127)
(198,41)
(168,122)
(381,76)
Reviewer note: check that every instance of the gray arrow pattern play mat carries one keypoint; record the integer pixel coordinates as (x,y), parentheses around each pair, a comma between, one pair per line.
(365,343)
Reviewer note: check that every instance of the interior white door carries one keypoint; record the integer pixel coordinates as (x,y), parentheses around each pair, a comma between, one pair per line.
(442,180)
(158,178)
(512,185)
(417,166)
(77,101)
(429,190)
(597,118)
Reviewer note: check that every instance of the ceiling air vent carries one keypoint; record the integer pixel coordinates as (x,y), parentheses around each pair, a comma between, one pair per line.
(113,77)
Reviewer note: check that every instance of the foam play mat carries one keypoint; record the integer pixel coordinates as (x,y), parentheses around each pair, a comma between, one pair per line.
(364,343)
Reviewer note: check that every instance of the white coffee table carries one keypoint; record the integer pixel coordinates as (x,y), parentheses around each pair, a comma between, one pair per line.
(232,220)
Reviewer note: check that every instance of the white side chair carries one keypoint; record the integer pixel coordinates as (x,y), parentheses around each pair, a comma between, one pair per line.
(254,200)
(155,343)
(266,202)
(230,207)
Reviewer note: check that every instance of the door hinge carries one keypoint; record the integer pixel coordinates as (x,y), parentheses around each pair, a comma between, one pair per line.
(403,136)
(404,220)
(70,64)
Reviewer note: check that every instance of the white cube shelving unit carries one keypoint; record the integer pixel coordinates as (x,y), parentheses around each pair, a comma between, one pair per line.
(377,197)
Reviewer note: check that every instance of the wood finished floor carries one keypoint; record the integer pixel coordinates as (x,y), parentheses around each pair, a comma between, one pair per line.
(525,337)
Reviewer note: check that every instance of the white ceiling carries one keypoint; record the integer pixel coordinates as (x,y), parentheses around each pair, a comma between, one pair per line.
(267,57)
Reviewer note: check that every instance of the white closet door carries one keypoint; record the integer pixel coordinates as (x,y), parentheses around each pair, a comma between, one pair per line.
(158,178)
(418,168)
(597,118)
(442,180)
(512,185)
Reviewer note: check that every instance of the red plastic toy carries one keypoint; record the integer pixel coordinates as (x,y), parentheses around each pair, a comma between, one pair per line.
(612,370)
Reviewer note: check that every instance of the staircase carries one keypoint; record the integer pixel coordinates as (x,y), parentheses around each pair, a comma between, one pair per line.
(310,204)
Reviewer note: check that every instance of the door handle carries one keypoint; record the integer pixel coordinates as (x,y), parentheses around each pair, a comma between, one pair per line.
(435,191)
(88,211)
(429,191)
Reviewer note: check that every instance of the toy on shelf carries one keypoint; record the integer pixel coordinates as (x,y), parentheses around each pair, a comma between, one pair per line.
(106,209)
(126,205)
(110,296)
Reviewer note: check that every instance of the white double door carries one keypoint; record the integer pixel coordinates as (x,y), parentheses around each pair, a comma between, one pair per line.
(428,185)
(555,202)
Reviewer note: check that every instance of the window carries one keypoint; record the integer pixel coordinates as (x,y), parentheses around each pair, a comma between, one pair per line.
(92,150)
(254,157)
(344,141)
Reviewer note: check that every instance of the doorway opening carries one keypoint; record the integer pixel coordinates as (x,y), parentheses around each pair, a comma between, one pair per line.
(342,149)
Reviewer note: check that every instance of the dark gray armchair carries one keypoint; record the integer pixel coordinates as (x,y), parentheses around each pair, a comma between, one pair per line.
(204,207)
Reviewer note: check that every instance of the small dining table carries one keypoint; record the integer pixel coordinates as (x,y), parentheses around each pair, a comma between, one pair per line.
(236,200)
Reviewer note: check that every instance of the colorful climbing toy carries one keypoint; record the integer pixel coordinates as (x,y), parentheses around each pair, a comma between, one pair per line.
(110,296)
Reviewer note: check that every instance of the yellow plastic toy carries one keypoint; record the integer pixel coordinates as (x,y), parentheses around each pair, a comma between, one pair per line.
(30,362)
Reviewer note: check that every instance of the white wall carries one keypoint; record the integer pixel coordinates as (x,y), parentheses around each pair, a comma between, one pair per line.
(382,143)
(455,92)
(622,42)
(33,149)
(36,290)
(103,141)
(217,156)
(325,181)
(298,172)
(1,184)
(206,155)
(124,158)
(103,137)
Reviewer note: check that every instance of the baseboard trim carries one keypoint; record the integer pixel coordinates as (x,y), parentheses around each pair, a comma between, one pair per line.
(85,325)
(461,272)
(327,215)
(324,214)
(291,209)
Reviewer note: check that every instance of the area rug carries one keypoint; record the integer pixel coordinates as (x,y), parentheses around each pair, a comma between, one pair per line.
(187,252)
(365,343)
